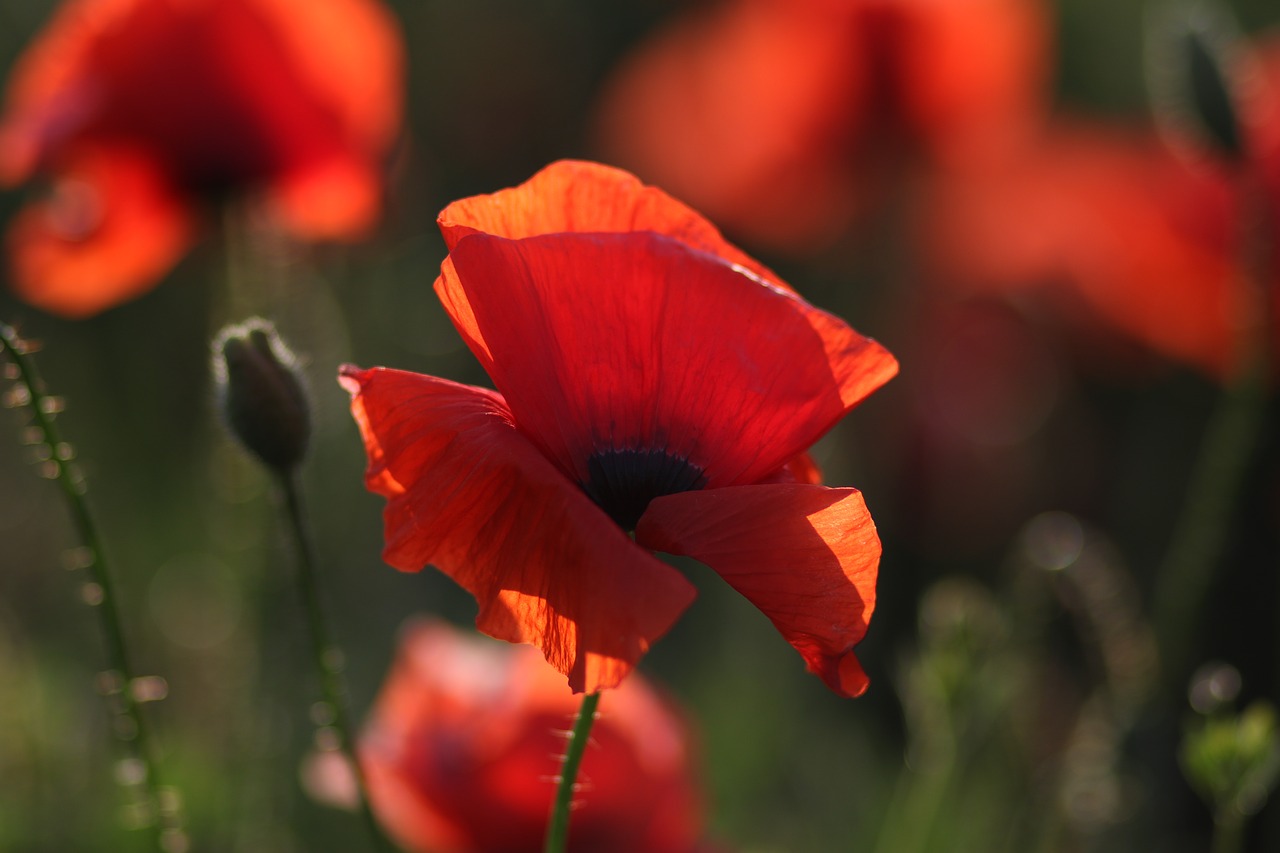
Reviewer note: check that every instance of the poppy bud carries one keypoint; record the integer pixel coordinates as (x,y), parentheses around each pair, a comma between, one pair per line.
(1210,95)
(261,393)
(1192,79)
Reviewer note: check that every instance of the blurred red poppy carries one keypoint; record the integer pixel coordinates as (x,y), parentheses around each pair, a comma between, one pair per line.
(139,110)
(1111,222)
(1143,235)
(784,119)
(653,379)
(462,747)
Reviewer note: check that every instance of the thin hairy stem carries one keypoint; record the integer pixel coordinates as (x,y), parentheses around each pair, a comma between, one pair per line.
(162,811)
(328,656)
(575,749)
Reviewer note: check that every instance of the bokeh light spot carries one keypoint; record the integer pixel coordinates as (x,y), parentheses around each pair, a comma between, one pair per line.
(196,601)
(1053,540)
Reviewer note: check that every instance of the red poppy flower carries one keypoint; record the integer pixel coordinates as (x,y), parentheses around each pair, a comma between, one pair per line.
(652,378)
(461,749)
(783,119)
(140,109)
(1142,235)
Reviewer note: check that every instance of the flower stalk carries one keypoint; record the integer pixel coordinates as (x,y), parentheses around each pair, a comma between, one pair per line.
(265,406)
(327,654)
(575,749)
(1230,441)
(120,683)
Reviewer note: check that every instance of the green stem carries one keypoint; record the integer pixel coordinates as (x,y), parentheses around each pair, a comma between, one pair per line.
(1228,446)
(1201,532)
(575,749)
(1228,834)
(163,808)
(327,655)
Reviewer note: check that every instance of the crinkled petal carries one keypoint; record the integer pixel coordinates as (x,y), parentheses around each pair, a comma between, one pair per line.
(575,196)
(109,230)
(636,342)
(469,494)
(807,556)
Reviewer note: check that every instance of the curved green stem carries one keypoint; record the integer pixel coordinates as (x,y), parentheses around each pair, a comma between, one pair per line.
(163,809)
(327,655)
(575,749)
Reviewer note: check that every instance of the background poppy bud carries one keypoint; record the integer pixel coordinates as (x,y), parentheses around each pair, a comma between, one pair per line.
(1191,78)
(261,393)
(1210,94)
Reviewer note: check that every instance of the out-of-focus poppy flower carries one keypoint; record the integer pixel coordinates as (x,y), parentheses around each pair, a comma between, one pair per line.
(784,119)
(653,379)
(1147,235)
(139,110)
(1114,224)
(462,748)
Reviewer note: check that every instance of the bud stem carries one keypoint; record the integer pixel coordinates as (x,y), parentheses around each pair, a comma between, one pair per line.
(326,653)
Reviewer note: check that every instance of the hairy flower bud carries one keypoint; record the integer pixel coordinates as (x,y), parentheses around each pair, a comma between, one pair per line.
(261,393)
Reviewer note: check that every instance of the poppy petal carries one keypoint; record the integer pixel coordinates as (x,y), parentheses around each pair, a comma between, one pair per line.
(334,199)
(801,469)
(807,556)
(573,196)
(49,91)
(1128,227)
(469,494)
(605,342)
(109,231)
(350,53)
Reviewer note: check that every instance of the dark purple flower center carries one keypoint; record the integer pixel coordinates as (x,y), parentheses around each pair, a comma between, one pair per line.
(623,482)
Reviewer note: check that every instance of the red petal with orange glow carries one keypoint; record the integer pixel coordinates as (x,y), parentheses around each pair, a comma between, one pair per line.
(1142,237)
(109,230)
(807,556)
(469,494)
(351,54)
(634,341)
(334,199)
(294,103)
(575,196)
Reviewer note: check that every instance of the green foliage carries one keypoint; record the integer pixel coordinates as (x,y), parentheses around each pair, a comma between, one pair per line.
(1233,760)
